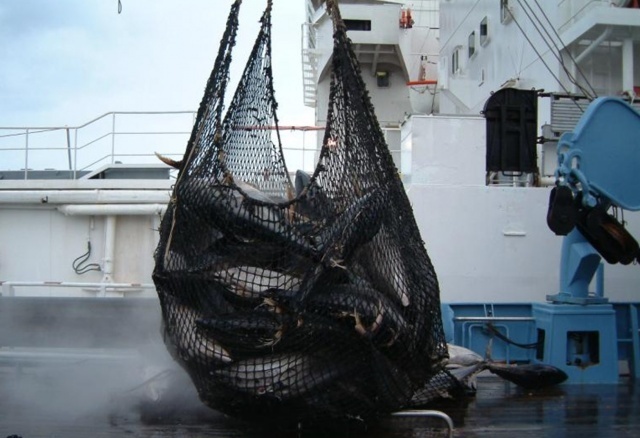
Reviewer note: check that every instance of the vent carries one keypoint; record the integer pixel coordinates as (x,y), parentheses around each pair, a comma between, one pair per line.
(364,25)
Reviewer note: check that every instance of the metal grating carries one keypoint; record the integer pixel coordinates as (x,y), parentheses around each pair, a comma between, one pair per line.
(567,110)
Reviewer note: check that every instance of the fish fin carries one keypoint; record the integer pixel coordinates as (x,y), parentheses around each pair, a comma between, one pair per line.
(168,161)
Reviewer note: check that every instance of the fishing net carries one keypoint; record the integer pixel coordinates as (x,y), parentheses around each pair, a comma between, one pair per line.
(294,297)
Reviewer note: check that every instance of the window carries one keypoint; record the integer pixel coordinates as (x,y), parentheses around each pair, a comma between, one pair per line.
(505,11)
(455,61)
(472,44)
(358,24)
(484,32)
(382,79)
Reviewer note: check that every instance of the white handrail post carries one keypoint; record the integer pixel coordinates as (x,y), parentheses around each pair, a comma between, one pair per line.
(26,153)
(68,147)
(7,289)
(75,153)
(109,249)
(113,136)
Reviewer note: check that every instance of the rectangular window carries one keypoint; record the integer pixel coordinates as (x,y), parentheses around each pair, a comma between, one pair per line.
(358,24)
(455,61)
(382,79)
(505,11)
(484,31)
(472,43)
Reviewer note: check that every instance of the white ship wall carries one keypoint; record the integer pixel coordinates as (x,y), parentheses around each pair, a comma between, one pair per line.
(40,243)
(391,103)
(487,243)
(514,52)
(504,56)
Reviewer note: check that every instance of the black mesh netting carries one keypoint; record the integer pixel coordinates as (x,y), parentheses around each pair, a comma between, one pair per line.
(296,300)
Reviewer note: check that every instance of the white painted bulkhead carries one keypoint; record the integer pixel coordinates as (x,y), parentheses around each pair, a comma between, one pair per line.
(41,240)
(503,56)
(378,49)
(487,243)
(485,46)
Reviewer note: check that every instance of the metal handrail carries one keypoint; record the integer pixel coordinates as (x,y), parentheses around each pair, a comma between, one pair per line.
(427,413)
(8,287)
(103,146)
(84,125)
(73,145)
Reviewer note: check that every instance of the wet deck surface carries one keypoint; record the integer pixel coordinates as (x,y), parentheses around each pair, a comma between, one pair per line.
(103,400)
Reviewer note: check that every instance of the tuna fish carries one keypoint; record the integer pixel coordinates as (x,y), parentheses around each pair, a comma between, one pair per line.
(282,376)
(466,364)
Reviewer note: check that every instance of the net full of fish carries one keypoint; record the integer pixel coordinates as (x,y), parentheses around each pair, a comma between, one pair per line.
(295,300)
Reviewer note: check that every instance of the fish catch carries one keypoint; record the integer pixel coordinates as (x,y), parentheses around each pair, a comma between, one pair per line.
(465,365)
(282,376)
(529,376)
(295,302)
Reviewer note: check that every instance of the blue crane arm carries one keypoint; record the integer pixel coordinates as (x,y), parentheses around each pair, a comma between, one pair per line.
(598,167)
(602,155)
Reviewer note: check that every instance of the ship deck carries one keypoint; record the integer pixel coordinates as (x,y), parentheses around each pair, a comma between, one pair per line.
(40,402)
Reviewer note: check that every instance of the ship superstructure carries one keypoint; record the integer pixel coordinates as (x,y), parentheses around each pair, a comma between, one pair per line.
(485,229)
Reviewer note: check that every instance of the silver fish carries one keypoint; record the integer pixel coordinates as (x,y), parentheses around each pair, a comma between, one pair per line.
(258,375)
(253,281)
(461,357)
(373,313)
(465,365)
(467,375)
(241,211)
(189,343)
(282,376)
(312,200)
(245,331)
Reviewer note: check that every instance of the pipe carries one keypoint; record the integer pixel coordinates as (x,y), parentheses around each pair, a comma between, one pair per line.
(600,281)
(112,209)
(427,413)
(627,67)
(109,251)
(36,354)
(595,43)
(99,196)
(547,181)
(8,287)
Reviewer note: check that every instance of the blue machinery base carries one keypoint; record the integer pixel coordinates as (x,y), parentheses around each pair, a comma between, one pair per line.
(580,340)
(591,343)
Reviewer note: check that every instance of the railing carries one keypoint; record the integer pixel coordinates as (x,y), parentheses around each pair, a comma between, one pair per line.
(309,64)
(121,137)
(114,137)
(95,289)
(569,12)
(132,138)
